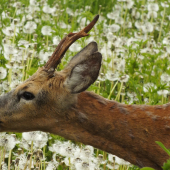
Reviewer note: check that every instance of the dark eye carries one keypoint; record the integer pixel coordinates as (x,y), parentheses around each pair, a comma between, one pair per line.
(27,96)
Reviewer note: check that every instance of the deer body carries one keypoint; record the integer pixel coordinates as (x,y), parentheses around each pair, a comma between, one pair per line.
(57,102)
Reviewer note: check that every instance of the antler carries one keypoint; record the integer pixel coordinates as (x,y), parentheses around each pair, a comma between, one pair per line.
(65,43)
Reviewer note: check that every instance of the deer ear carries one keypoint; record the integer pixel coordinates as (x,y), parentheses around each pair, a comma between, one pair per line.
(84,72)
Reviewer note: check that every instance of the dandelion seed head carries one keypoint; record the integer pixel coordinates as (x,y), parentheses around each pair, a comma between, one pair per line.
(149,87)
(153,7)
(164,4)
(163,92)
(112,76)
(3,73)
(48,10)
(30,27)
(113,15)
(124,78)
(128,4)
(75,47)
(165,77)
(147,27)
(114,28)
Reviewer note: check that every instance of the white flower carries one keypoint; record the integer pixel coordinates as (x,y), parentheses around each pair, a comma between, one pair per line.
(112,76)
(83,22)
(111,157)
(165,77)
(5,85)
(138,24)
(118,42)
(22,161)
(23,42)
(119,20)
(45,17)
(110,36)
(147,27)
(51,165)
(30,27)
(69,11)
(128,24)
(56,40)
(75,47)
(48,10)
(3,73)
(114,28)
(30,136)
(9,49)
(163,92)
(152,14)
(41,140)
(4,166)
(33,2)
(44,56)
(153,7)
(135,13)
(113,15)
(165,5)
(121,66)
(166,40)
(10,142)
(9,31)
(149,86)
(168,49)
(101,77)
(63,25)
(14,84)
(124,78)
(46,30)
(128,4)
(121,161)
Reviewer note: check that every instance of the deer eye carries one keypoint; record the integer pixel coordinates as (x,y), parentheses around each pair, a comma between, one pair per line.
(27,96)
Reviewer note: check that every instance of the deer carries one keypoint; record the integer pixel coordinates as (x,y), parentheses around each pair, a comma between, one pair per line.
(57,102)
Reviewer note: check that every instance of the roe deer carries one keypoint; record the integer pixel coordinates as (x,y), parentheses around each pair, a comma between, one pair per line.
(57,102)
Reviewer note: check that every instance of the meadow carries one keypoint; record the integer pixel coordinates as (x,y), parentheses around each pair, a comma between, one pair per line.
(133,37)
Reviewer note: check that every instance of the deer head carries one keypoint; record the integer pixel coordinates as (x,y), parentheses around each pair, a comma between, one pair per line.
(35,103)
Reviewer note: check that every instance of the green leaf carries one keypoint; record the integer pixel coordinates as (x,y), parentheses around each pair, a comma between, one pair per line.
(163,147)
(166,165)
(147,168)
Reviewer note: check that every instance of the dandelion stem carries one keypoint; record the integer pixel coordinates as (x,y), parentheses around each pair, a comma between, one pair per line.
(2,153)
(162,99)
(124,21)
(161,24)
(47,41)
(25,165)
(31,60)
(143,3)
(41,164)
(15,12)
(44,155)
(14,35)
(31,155)
(30,38)
(104,157)
(118,95)
(9,160)
(112,90)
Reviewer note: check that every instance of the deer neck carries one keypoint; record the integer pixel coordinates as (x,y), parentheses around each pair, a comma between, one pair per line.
(128,131)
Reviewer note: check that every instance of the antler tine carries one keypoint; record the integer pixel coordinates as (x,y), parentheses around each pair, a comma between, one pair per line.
(65,43)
